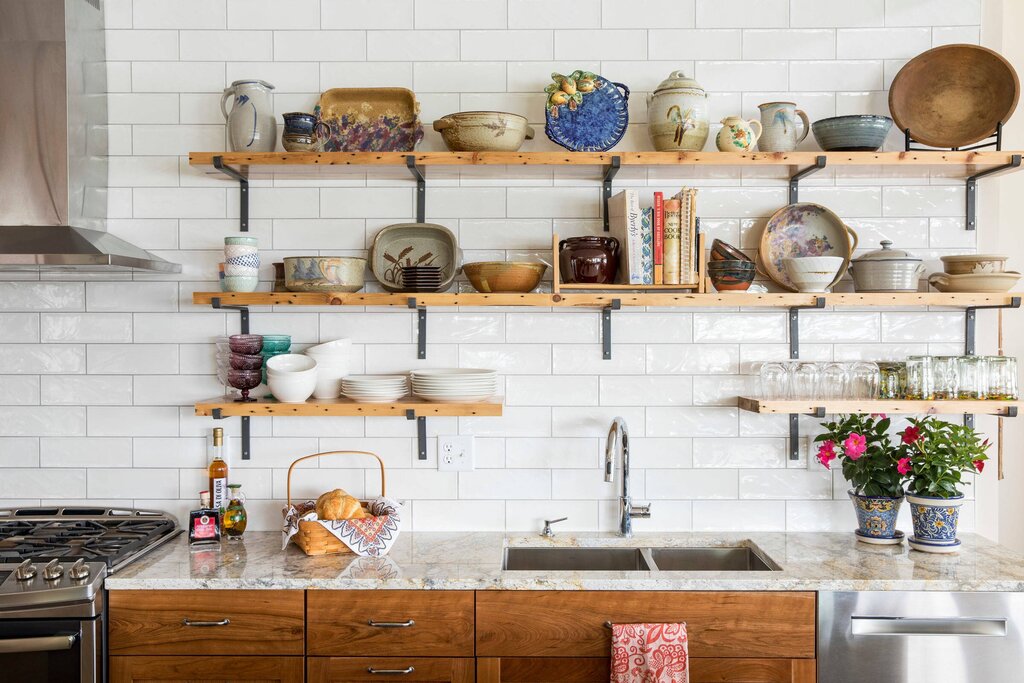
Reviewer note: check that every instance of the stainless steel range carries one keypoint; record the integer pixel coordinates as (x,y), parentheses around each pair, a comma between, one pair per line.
(52,565)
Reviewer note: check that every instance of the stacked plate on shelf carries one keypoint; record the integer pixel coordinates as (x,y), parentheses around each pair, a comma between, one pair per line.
(454,384)
(375,388)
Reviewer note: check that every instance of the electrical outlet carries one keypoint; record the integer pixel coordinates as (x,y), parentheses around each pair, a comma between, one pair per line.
(455,453)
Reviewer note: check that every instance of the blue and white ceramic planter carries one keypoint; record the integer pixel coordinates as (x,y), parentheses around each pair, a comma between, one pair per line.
(876,516)
(935,521)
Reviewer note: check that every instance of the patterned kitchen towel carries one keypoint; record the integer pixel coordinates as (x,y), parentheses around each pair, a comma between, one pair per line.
(649,653)
(371,536)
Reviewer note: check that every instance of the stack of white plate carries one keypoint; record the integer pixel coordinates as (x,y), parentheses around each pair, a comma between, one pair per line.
(454,384)
(375,388)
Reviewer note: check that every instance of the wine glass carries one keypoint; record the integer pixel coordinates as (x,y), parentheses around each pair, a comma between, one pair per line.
(244,380)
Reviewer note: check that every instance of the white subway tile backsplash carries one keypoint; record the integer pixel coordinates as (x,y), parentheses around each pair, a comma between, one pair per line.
(923,201)
(141,45)
(925,12)
(319,46)
(747,75)
(270,14)
(801,484)
(505,45)
(447,77)
(555,453)
(459,515)
(575,359)
(366,14)
(692,359)
(739,453)
(501,484)
(882,43)
(412,46)
(86,327)
(691,484)
(42,421)
(130,359)
(35,359)
(74,452)
(19,452)
(743,516)
(132,421)
(836,75)
(45,296)
(233,46)
(743,13)
(555,13)
(181,14)
(647,13)
(507,359)
(368,202)
(286,77)
(789,44)
(551,390)
(141,296)
(57,483)
(552,327)
(83,390)
(841,14)
(183,202)
(645,391)
(739,327)
(173,77)
(695,421)
(19,327)
(601,44)
(20,390)
(529,515)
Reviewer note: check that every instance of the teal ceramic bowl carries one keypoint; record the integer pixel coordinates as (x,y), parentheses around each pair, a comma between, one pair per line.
(731,275)
(857,133)
(276,343)
(239,283)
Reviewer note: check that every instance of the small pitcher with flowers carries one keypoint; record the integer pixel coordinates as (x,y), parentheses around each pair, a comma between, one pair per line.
(934,455)
(870,462)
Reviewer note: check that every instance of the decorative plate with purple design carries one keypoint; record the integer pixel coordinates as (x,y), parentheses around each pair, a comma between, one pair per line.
(804,229)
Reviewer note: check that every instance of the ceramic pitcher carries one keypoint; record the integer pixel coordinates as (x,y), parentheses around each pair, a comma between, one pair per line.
(778,121)
(737,135)
(252,126)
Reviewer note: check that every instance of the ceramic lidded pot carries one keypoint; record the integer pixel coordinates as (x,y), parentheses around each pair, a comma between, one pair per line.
(252,126)
(887,270)
(779,129)
(677,114)
(589,259)
(738,135)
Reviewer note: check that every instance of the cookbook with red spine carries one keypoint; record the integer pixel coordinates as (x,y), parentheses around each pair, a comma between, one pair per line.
(659,238)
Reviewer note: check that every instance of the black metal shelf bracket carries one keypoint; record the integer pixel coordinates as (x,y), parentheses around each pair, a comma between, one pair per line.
(217,414)
(794,181)
(421,187)
(243,310)
(421,433)
(794,354)
(972,189)
(606,328)
(243,191)
(421,328)
(606,186)
(970,345)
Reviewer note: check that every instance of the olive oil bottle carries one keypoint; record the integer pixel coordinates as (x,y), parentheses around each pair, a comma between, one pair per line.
(218,473)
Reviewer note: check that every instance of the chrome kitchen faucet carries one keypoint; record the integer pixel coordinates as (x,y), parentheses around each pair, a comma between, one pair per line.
(627,512)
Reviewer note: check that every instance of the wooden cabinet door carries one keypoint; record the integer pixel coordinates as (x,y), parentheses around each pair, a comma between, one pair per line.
(419,669)
(199,622)
(384,623)
(719,624)
(210,669)
(597,670)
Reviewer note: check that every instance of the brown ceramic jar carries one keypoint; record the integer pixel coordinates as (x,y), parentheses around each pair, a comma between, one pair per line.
(589,259)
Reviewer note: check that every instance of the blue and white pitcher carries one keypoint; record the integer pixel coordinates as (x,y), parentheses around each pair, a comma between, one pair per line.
(252,126)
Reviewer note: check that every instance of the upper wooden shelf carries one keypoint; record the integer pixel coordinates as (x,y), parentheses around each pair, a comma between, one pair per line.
(329,164)
(599,299)
(228,407)
(756,405)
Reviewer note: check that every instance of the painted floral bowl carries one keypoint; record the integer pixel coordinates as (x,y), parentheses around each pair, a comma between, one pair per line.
(857,133)
(324,273)
(800,230)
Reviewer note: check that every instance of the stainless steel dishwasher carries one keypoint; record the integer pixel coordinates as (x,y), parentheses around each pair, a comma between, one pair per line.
(920,637)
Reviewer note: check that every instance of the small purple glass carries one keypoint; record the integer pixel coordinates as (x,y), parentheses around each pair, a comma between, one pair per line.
(248,344)
(240,361)
(244,380)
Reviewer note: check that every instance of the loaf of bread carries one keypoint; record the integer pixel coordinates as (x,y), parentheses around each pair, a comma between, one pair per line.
(337,504)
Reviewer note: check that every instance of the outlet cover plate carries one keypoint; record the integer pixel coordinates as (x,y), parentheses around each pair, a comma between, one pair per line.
(454,453)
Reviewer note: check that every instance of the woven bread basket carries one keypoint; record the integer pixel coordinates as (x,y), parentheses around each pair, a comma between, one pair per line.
(312,537)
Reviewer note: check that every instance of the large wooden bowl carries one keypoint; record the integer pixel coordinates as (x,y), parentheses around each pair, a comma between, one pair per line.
(954,95)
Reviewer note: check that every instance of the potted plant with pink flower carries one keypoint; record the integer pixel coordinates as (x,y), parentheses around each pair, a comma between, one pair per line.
(934,455)
(861,443)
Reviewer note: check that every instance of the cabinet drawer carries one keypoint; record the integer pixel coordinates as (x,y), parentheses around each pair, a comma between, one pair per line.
(196,622)
(138,669)
(598,670)
(390,623)
(351,669)
(571,623)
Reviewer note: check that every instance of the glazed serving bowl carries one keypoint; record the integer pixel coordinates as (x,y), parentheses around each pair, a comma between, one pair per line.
(324,273)
(483,131)
(857,133)
(414,244)
(731,275)
(985,283)
(723,251)
(967,264)
(813,273)
(800,230)
(504,276)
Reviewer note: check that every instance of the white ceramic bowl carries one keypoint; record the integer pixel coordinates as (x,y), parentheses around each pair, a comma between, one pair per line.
(292,387)
(812,273)
(291,364)
(338,346)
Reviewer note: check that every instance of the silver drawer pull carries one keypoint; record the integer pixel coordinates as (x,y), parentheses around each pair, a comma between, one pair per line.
(607,624)
(9,646)
(391,672)
(188,622)
(908,626)
(392,624)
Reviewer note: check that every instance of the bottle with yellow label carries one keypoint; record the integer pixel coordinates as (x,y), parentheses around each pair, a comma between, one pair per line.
(218,473)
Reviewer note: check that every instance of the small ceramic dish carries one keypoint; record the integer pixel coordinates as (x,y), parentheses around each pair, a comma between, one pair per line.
(856,133)
(731,275)
(982,283)
(966,264)
(504,276)
(800,230)
(414,244)
(324,273)
(723,251)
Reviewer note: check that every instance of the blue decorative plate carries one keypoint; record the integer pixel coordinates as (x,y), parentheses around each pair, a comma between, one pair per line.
(585,112)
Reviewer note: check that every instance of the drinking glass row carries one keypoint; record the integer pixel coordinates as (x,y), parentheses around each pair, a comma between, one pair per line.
(970,378)
(797,380)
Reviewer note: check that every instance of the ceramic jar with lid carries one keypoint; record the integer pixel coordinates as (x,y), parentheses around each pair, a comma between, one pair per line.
(677,114)
(887,270)
(588,259)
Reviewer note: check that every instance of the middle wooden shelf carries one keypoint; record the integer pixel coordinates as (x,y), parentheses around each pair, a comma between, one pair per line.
(229,407)
(905,407)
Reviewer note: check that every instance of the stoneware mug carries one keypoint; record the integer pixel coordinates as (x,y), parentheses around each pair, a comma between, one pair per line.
(779,129)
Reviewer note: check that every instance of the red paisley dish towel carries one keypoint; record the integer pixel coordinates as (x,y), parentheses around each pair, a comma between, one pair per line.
(650,653)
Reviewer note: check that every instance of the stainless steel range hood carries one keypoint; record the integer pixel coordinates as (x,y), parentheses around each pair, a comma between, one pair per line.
(53,142)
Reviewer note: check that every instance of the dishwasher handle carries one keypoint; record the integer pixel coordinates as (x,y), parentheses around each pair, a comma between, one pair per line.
(926,626)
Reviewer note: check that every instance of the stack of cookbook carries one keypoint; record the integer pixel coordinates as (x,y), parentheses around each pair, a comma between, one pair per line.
(657,244)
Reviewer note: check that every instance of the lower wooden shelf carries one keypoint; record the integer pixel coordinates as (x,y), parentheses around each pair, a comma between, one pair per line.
(1005,408)
(228,407)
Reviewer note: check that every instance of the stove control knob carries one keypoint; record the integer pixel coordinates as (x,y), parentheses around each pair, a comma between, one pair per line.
(53,570)
(79,570)
(26,571)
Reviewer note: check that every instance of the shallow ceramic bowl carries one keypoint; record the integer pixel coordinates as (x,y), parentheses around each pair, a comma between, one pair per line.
(799,230)
(813,273)
(723,251)
(731,264)
(290,364)
(966,264)
(324,273)
(414,244)
(857,133)
(991,283)
(731,278)
(483,131)
(504,276)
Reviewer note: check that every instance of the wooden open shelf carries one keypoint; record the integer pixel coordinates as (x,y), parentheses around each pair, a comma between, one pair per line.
(228,407)
(756,405)
(599,300)
(328,164)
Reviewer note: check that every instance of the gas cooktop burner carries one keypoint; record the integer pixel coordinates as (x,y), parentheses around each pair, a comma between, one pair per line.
(109,535)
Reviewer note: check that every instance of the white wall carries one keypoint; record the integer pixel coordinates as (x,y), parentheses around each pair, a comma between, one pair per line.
(100,376)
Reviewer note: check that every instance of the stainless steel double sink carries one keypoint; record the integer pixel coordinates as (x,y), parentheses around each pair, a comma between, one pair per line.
(607,559)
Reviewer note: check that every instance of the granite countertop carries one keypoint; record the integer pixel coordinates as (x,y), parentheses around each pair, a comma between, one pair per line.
(472,561)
